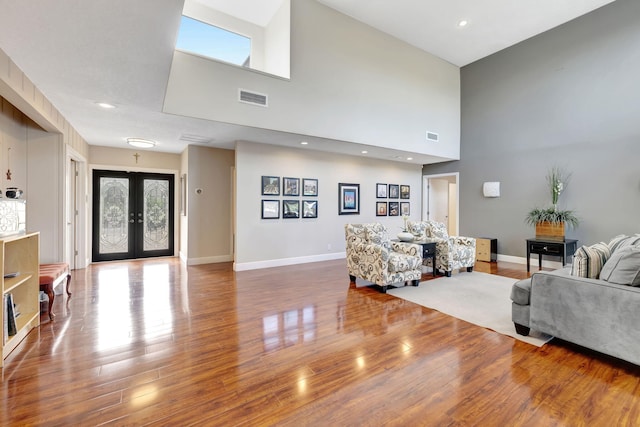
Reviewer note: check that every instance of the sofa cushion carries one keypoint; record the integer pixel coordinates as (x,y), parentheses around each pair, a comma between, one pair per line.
(623,268)
(588,260)
(622,241)
(378,235)
(401,262)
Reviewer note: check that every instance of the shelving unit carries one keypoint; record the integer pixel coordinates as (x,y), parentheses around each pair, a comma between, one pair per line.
(20,254)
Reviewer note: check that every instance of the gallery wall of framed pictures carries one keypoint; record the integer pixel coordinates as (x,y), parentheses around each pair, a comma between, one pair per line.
(289,206)
(389,199)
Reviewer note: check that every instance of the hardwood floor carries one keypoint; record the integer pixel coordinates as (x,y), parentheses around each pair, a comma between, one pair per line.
(155,342)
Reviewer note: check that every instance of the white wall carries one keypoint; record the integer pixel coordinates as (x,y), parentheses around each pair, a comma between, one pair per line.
(277,42)
(270,242)
(210,233)
(348,82)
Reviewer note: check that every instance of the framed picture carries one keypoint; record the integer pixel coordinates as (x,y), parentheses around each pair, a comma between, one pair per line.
(309,209)
(309,187)
(290,186)
(394,209)
(348,199)
(270,209)
(291,209)
(405,192)
(405,208)
(381,191)
(394,191)
(381,208)
(270,185)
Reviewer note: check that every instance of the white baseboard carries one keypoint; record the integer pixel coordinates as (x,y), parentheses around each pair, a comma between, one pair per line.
(243,266)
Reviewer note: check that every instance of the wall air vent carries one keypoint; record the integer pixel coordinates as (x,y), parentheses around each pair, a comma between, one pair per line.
(432,136)
(253,98)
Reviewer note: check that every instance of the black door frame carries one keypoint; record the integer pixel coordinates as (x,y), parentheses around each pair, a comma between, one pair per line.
(136,200)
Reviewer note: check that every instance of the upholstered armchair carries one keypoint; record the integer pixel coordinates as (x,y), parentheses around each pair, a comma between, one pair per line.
(452,252)
(372,256)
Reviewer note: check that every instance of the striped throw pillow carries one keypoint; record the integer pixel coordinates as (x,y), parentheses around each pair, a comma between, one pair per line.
(622,241)
(588,260)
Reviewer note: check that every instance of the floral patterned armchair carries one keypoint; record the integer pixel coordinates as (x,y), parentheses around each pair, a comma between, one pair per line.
(372,256)
(452,252)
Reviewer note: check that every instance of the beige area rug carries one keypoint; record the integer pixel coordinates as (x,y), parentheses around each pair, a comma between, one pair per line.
(479,298)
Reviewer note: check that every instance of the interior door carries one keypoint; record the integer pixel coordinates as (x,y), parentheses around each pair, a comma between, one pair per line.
(133,215)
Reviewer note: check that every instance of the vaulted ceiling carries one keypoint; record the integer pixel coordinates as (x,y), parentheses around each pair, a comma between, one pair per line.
(82,52)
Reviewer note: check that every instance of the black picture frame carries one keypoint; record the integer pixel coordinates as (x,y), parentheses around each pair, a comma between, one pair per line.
(309,209)
(309,187)
(291,209)
(290,187)
(405,208)
(394,191)
(381,208)
(270,185)
(405,192)
(381,191)
(271,209)
(348,199)
(394,209)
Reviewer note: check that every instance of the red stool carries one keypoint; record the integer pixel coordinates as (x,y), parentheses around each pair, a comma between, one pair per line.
(50,276)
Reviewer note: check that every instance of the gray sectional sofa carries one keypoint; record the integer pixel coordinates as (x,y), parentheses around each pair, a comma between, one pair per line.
(600,311)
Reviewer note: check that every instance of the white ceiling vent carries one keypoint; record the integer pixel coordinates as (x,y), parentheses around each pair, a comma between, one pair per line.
(198,139)
(432,136)
(253,98)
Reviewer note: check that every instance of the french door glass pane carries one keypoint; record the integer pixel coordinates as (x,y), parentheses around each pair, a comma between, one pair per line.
(156,214)
(114,206)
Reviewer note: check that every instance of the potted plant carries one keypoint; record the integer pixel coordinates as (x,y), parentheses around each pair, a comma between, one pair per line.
(550,222)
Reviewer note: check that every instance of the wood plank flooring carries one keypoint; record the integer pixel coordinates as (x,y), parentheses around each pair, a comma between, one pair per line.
(156,343)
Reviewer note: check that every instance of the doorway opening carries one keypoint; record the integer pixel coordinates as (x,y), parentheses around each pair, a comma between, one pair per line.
(440,200)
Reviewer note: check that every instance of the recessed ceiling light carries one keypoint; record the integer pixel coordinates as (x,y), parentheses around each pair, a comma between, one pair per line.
(364,151)
(304,143)
(409,158)
(463,23)
(105,105)
(141,143)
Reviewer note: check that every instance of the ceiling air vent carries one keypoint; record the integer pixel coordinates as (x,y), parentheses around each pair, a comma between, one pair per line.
(197,139)
(253,98)
(432,136)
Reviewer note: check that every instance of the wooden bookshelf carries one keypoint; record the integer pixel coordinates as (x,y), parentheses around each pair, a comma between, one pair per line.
(19,261)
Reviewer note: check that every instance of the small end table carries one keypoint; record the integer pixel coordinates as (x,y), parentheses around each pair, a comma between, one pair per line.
(428,251)
(560,248)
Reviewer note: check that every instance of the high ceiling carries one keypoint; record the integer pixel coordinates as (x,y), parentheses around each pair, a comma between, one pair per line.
(119,51)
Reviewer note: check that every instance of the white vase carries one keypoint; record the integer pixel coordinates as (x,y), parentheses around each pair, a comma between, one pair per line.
(405,236)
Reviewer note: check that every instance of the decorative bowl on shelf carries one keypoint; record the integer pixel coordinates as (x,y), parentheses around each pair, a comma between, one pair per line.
(405,236)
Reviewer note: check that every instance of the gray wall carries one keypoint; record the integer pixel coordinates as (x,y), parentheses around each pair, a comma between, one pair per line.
(569,97)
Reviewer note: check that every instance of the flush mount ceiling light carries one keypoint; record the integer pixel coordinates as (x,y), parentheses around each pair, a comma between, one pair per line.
(364,151)
(141,143)
(304,143)
(463,23)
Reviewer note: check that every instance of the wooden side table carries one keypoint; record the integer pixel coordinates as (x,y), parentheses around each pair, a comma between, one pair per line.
(560,248)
